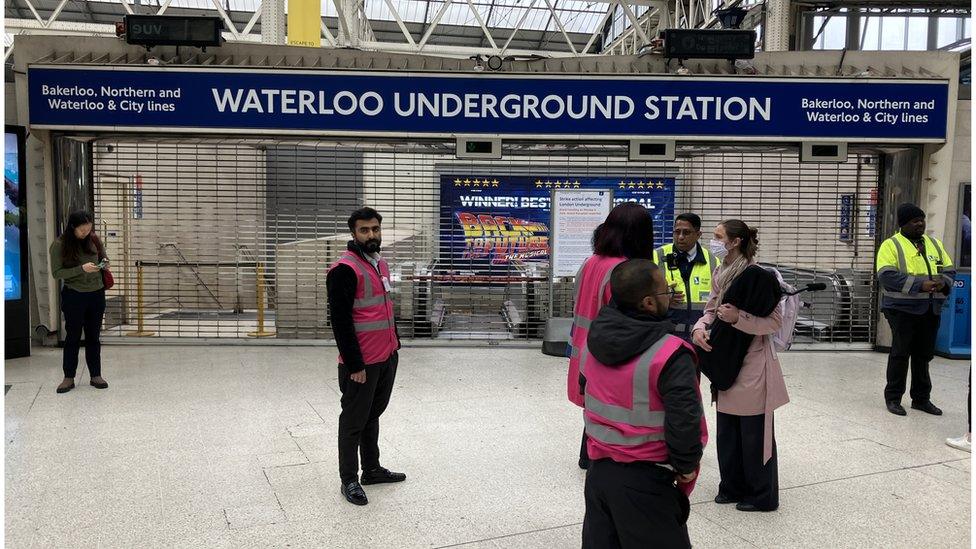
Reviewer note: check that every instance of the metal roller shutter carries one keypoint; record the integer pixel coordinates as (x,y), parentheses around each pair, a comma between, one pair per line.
(200,218)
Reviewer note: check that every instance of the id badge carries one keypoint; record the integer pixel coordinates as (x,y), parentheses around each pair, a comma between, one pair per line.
(386,285)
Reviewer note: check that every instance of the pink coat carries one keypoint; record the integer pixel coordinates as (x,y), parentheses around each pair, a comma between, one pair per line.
(760,387)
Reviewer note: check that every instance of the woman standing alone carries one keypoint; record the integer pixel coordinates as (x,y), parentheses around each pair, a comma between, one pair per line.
(77,259)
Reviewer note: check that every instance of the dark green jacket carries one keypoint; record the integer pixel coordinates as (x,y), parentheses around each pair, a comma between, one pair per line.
(75,277)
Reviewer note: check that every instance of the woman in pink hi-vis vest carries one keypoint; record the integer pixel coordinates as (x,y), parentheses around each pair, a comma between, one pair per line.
(627,233)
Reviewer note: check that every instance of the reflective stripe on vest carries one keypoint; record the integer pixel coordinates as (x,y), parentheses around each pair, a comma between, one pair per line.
(605,434)
(639,414)
(579,319)
(712,262)
(368,299)
(372,326)
(582,357)
(695,293)
(913,277)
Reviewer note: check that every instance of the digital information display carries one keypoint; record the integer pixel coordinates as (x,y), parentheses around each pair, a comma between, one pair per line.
(12,282)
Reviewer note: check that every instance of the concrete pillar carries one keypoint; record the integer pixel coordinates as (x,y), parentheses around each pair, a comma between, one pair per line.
(777,25)
(273,22)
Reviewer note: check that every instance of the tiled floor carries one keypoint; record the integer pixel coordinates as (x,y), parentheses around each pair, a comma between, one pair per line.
(235,447)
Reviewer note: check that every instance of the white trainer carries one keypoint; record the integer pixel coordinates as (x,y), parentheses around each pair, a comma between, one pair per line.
(963,443)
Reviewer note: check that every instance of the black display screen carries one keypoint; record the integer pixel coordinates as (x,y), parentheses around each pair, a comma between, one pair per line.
(709,44)
(165,30)
(479,147)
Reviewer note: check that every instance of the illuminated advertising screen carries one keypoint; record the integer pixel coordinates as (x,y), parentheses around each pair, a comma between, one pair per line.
(12,282)
(497,220)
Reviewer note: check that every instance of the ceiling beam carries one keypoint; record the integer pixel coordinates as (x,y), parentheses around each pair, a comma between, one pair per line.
(491,9)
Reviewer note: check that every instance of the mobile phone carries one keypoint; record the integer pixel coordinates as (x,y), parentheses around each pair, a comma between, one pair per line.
(101,264)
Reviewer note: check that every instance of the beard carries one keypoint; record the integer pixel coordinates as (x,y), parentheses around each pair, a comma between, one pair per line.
(372,245)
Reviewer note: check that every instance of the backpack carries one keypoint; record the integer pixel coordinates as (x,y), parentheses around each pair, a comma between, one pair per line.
(783,338)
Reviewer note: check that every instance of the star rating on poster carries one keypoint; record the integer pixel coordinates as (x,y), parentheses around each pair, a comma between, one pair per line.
(557,184)
(477,182)
(650,184)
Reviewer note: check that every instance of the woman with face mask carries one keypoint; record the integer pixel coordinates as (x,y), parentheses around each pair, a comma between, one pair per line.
(744,432)
(77,259)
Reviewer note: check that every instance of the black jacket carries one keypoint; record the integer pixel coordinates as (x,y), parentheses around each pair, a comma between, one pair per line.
(755,291)
(616,337)
(340,285)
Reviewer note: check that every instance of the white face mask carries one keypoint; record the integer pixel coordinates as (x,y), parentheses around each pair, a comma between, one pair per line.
(718,249)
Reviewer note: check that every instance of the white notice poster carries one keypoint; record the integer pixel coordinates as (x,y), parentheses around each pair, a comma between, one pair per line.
(575,215)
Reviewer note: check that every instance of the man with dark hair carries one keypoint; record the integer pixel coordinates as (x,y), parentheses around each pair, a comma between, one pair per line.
(644,420)
(688,269)
(916,276)
(361,313)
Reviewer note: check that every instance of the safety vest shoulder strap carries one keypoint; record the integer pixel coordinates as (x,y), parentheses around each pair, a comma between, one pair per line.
(887,258)
(901,246)
(581,320)
(944,258)
(366,272)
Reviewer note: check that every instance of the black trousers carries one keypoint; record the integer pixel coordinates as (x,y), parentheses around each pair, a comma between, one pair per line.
(83,312)
(633,506)
(359,422)
(740,461)
(912,339)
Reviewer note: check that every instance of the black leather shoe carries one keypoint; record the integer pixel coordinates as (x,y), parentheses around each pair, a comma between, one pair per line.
(927,407)
(381,476)
(723,499)
(750,508)
(354,493)
(584,463)
(896,408)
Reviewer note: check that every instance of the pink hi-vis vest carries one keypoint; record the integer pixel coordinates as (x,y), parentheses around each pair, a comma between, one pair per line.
(372,310)
(592,293)
(624,412)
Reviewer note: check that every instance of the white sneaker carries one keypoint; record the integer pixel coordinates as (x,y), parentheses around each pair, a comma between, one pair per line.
(963,443)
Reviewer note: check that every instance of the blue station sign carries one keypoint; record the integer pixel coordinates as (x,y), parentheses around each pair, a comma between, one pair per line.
(309,102)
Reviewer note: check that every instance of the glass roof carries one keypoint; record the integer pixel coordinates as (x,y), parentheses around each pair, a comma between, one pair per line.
(577,16)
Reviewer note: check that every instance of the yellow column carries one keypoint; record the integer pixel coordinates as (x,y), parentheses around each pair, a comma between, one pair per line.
(140,309)
(261,332)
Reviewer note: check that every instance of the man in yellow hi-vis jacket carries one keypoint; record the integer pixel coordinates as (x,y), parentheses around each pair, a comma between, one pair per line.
(916,275)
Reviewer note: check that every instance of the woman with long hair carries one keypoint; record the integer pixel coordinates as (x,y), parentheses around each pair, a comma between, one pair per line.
(77,259)
(627,233)
(735,338)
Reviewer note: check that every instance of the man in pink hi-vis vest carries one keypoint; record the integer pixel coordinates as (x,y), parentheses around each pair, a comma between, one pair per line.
(644,421)
(361,313)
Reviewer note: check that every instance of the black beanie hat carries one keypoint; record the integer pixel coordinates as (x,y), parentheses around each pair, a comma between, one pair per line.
(908,212)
